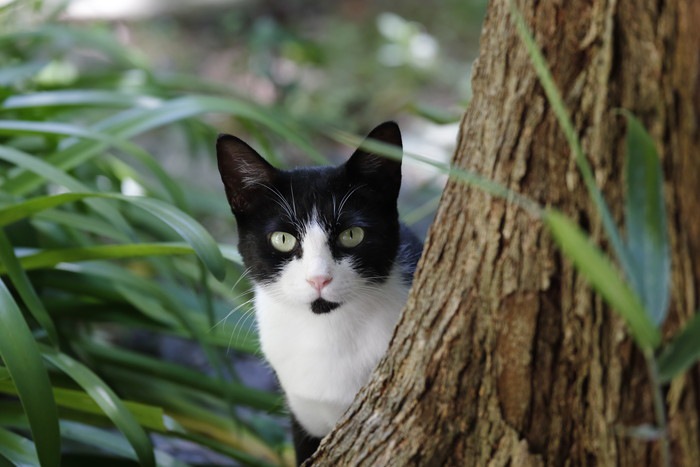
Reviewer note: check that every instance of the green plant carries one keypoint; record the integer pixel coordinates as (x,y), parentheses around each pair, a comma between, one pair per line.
(83,265)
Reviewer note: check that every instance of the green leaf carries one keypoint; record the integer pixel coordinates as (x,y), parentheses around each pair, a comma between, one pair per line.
(148,416)
(645,222)
(17,449)
(15,127)
(141,364)
(49,258)
(682,352)
(110,442)
(108,401)
(78,98)
(21,356)
(24,209)
(46,172)
(592,264)
(133,122)
(189,229)
(11,265)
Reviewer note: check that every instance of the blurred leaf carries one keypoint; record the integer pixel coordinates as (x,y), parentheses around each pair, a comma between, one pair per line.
(136,121)
(21,210)
(12,74)
(17,449)
(11,265)
(189,229)
(141,364)
(645,432)
(645,222)
(108,401)
(82,222)
(46,172)
(21,356)
(110,442)
(78,98)
(437,115)
(682,352)
(148,416)
(16,127)
(49,258)
(592,264)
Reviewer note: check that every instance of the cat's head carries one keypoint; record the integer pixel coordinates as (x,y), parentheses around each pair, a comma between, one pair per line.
(315,236)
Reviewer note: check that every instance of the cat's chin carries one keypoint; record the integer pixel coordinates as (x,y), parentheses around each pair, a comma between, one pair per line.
(321,306)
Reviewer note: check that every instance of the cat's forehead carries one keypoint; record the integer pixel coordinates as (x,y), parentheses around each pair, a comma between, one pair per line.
(320,195)
(314,179)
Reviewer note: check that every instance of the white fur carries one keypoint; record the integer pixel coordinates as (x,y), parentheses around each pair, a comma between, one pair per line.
(322,360)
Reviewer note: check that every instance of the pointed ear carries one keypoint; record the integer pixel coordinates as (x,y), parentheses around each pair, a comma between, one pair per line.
(380,172)
(243,171)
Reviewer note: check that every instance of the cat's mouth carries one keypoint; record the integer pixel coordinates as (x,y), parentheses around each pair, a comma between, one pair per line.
(321,306)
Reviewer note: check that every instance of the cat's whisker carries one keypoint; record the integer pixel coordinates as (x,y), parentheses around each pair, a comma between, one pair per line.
(346,198)
(235,309)
(282,202)
(243,275)
(335,210)
(249,328)
(294,204)
(240,323)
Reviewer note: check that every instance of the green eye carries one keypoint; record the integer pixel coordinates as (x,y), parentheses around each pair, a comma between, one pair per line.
(351,237)
(283,241)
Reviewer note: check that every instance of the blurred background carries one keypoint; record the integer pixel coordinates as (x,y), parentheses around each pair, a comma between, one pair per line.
(127,98)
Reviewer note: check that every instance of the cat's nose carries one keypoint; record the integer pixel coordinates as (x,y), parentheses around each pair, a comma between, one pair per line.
(319,282)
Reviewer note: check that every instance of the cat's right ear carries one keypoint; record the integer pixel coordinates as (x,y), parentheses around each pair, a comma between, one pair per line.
(244,172)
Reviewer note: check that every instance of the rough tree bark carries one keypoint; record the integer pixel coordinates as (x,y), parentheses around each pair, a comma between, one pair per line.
(503,355)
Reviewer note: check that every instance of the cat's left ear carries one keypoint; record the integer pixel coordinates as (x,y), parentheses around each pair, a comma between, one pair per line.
(244,172)
(380,172)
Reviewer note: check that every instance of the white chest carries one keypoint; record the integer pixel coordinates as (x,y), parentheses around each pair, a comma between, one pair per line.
(322,360)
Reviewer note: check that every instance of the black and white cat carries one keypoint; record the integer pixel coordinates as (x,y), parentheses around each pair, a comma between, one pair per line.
(331,267)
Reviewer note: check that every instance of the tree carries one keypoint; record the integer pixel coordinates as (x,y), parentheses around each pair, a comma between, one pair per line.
(504,356)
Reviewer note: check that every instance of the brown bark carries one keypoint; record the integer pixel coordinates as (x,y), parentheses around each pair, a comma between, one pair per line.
(504,356)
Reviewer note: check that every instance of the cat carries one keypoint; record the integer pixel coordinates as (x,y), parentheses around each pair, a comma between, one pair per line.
(331,266)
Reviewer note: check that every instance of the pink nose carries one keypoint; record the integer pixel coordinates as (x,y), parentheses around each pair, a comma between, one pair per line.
(319,282)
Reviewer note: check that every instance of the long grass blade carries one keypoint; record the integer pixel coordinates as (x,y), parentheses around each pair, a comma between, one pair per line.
(21,357)
(189,229)
(108,401)
(645,221)
(47,172)
(18,450)
(11,265)
(50,258)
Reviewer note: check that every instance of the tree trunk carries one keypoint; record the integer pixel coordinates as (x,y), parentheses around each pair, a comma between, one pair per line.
(504,356)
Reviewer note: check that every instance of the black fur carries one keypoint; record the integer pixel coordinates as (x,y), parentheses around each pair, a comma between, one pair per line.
(264,200)
(304,444)
(256,192)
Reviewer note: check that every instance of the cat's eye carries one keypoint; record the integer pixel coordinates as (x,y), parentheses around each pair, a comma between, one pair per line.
(283,241)
(351,237)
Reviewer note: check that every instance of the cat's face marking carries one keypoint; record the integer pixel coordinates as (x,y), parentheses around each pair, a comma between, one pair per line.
(314,279)
(330,265)
(343,222)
